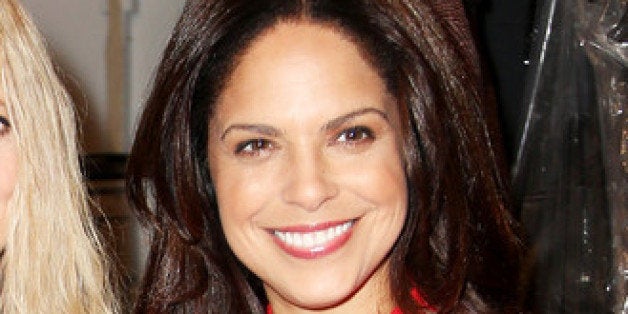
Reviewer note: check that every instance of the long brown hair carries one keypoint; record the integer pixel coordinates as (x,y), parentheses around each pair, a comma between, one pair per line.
(458,245)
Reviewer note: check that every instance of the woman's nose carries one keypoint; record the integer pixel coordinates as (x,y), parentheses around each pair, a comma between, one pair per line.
(309,183)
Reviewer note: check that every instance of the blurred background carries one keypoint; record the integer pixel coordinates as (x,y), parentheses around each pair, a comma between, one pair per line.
(556,66)
(107,51)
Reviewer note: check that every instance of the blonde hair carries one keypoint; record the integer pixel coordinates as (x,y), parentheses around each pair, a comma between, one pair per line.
(53,260)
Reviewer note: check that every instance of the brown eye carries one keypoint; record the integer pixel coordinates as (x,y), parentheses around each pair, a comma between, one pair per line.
(253,147)
(5,126)
(355,134)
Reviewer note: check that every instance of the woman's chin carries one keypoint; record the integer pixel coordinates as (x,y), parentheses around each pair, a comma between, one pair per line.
(311,297)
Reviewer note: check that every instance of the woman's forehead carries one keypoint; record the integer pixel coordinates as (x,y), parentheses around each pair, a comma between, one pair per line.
(303,65)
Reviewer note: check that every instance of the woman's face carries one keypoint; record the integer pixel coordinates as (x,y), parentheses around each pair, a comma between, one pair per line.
(305,157)
(8,167)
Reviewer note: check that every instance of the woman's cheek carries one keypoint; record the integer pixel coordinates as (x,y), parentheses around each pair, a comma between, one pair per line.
(243,188)
(377,175)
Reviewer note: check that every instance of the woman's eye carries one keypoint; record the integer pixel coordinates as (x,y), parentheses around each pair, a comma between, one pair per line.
(355,134)
(5,126)
(253,147)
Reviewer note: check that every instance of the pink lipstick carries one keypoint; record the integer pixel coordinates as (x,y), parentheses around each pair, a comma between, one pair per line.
(309,242)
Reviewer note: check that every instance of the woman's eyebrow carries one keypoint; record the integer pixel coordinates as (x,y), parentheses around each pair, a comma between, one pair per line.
(337,122)
(254,128)
(333,124)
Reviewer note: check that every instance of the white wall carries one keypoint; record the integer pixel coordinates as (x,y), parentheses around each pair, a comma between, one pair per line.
(150,29)
(76,31)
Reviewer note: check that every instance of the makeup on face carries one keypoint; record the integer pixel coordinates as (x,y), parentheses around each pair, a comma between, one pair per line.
(305,159)
(313,241)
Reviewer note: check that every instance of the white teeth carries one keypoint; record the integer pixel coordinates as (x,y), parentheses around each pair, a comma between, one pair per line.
(281,236)
(298,241)
(339,229)
(308,240)
(320,237)
(330,233)
(312,239)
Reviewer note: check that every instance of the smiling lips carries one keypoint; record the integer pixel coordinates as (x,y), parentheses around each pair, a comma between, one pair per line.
(310,242)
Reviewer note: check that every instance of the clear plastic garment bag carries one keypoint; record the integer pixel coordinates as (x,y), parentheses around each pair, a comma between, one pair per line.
(571,170)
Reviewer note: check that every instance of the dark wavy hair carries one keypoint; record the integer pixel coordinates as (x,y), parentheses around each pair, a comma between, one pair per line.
(459,245)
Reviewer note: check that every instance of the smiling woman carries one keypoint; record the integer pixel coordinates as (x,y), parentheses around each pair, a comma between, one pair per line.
(321,156)
(310,180)
(52,260)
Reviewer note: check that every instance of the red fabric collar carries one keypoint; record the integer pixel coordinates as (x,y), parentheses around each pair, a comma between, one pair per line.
(415,295)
